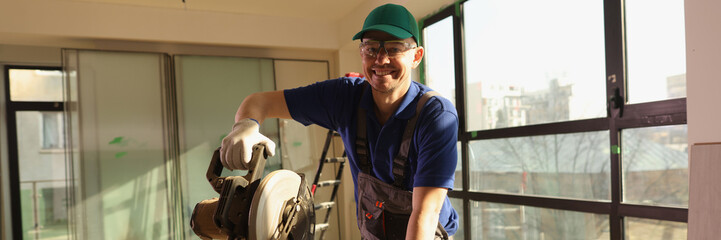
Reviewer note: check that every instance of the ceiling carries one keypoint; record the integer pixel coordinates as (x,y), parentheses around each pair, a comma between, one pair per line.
(324,10)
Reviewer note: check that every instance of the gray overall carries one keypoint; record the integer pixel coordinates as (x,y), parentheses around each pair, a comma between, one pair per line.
(384,209)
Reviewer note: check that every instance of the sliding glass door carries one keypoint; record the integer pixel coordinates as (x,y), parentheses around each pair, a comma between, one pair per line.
(209,91)
(118,123)
(142,127)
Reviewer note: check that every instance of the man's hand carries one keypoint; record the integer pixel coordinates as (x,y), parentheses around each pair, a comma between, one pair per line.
(237,148)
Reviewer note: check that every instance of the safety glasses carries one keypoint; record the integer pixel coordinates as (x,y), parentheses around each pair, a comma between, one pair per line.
(393,48)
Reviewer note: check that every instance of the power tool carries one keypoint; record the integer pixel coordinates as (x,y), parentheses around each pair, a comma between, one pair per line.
(252,207)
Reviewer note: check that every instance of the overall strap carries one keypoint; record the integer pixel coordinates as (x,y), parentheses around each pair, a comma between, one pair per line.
(399,162)
(361,140)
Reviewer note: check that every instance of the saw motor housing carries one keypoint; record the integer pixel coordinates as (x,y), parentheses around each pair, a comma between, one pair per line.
(228,216)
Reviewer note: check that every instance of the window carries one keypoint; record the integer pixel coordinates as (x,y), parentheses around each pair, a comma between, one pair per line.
(37,178)
(573,117)
(530,65)
(506,221)
(656,49)
(570,165)
(438,43)
(35,84)
(52,133)
(655,165)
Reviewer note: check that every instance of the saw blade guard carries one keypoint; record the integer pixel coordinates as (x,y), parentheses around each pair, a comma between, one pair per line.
(282,206)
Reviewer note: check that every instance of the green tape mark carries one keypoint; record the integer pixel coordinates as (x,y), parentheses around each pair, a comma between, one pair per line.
(474,134)
(458,8)
(116,140)
(615,149)
(297,144)
(120,154)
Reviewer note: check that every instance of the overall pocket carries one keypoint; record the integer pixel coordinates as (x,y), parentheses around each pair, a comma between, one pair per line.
(370,218)
(396,224)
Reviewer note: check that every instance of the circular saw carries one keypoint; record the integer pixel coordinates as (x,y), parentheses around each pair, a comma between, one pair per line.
(278,206)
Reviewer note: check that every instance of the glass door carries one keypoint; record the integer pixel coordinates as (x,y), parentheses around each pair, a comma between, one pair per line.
(121,163)
(209,91)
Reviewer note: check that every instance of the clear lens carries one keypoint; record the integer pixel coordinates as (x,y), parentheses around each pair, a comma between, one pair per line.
(370,48)
(395,48)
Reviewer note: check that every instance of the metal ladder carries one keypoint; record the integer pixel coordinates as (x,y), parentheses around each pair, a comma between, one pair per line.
(322,227)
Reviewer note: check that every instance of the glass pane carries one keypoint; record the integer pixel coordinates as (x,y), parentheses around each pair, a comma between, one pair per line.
(439,61)
(122,153)
(564,165)
(458,182)
(302,146)
(458,205)
(511,222)
(53,135)
(42,176)
(33,85)
(642,229)
(656,50)
(210,89)
(655,165)
(531,65)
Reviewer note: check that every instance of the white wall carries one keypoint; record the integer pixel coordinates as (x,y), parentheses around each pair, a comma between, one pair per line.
(703,64)
(71,20)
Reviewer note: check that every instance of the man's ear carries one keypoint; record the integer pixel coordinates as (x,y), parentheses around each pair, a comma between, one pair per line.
(418,56)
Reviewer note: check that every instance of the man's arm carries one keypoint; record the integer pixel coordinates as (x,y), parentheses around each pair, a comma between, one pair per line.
(427,204)
(260,106)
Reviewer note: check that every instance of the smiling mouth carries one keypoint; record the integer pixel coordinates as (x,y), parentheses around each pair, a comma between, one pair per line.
(382,72)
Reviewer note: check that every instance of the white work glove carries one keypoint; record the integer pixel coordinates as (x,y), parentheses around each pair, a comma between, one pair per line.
(237,148)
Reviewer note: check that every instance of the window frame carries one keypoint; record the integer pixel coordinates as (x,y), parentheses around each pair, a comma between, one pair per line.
(12,107)
(620,115)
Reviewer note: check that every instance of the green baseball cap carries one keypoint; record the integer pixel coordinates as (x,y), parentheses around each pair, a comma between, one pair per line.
(393,19)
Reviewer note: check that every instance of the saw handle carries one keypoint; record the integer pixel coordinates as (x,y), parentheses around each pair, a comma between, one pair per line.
(257,164)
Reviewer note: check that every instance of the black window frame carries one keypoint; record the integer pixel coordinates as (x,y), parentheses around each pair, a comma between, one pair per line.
(620,115)
(12,107)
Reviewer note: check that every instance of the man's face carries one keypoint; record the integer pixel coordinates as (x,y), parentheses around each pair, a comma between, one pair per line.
(390,74)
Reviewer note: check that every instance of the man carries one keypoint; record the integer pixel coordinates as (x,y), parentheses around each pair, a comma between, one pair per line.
(401,179)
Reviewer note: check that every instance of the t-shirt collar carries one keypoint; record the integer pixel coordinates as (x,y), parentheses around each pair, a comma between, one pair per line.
(403,111)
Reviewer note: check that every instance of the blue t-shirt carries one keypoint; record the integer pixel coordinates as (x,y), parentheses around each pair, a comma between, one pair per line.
(432,156)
